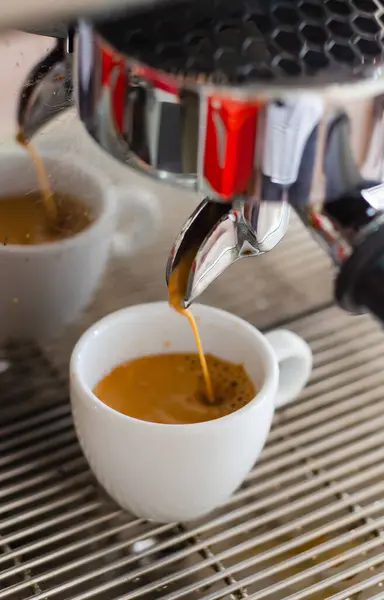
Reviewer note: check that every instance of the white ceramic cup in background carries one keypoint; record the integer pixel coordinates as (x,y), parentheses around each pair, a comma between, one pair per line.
(45,286)
(179,472)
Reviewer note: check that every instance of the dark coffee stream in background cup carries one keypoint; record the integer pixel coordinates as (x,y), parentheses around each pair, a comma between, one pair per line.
(40,216)
(23,219)
(42,177)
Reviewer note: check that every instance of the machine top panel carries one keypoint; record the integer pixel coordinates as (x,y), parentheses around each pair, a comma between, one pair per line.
(250,41)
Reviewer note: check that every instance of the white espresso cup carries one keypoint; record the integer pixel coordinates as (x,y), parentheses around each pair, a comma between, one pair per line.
(171,473)
(45,286)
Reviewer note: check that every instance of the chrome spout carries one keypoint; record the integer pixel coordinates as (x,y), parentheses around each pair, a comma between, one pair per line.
(48,89)
(217,235)
(192,236)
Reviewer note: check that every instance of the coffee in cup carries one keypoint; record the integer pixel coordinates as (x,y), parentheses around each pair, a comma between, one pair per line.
(170,388)
(24,219)
(50,279)
(179,472)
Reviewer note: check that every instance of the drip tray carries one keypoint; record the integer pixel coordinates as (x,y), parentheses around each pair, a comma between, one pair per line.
(307,523)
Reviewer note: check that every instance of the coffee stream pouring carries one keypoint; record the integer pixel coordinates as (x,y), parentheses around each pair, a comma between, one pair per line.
(256,105)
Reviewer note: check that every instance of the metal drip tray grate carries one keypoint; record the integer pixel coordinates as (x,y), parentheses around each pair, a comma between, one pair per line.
(308,522)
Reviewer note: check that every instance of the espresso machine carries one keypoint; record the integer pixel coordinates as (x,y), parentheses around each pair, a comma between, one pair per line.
(260,106)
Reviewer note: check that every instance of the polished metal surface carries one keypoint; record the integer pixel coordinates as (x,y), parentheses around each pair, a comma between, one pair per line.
(49,89)
(309,137)
(292,279)
(307,523)
(216,235)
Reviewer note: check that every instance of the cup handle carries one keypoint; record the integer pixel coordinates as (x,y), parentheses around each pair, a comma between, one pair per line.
(138,220)
(295,364)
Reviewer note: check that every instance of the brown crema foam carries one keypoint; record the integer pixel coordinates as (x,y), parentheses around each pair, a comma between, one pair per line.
(170,388)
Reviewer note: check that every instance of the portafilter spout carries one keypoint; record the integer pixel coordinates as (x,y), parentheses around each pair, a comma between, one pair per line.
(48,89)
(217,234)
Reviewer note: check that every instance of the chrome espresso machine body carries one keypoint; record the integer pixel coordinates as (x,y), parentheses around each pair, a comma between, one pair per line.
(259,106)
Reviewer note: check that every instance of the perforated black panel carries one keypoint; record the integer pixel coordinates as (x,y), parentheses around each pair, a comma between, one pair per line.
(242,41)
